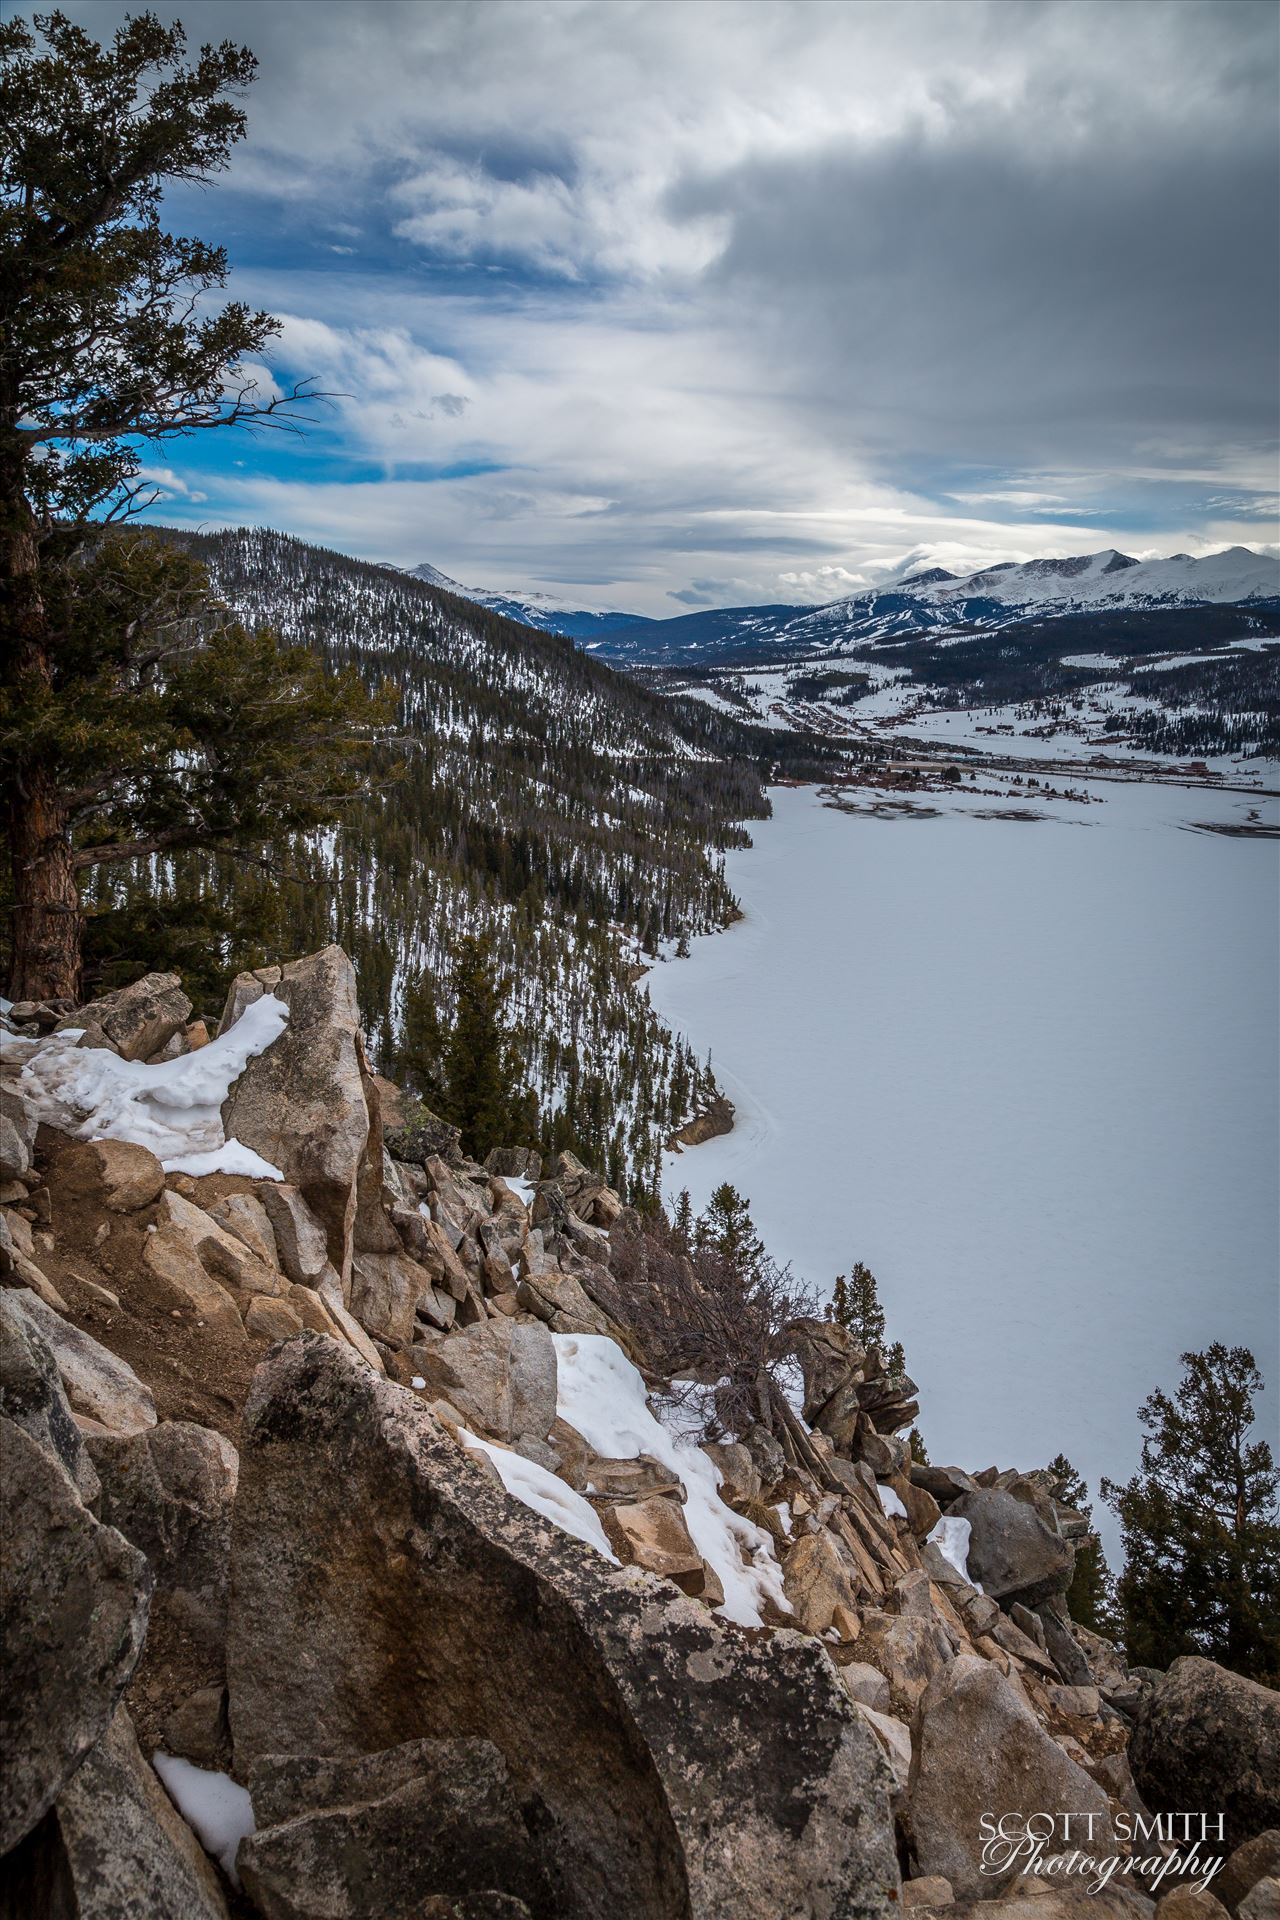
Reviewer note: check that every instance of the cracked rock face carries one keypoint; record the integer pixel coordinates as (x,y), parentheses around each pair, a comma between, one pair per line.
(384,1591)
(74,1597)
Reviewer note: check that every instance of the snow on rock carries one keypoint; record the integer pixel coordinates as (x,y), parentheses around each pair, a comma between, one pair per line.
(602,1395)
(173,1107)
(544,1493)
(892,1505)
(219,1813)
(951,1538)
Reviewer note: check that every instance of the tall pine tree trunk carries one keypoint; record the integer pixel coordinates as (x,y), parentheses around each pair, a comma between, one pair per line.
(46,916)
(45,963)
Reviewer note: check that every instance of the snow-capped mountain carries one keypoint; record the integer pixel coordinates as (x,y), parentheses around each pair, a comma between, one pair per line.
(540,610)
(1081,586)
(1106,579)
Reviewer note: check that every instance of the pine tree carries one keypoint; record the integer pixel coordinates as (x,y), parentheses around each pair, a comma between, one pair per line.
(839,1307)
(728,1228)
(682,1218)
(108,345)
(1090,1597)
(482,1090)
(860,1310)
(919,1452)
(1200,1524)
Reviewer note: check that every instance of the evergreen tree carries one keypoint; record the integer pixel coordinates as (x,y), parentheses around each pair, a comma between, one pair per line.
(107,343)
(1090,1597)
(482,1090)
(727,1227)
(167,726)
(682,1219)
(1200,1524)
(919,1452)
(855,1305)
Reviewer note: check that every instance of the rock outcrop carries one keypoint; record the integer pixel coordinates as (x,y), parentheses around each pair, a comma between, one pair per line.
(473,1662)
(302,1104)
(685,1767)
(73,1597)
(1209,1739)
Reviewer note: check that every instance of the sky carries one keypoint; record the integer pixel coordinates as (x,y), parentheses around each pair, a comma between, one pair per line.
(663,304)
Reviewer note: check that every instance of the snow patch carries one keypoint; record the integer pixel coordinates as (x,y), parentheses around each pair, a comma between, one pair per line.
(173,1107)
(891,1502)
(602,1395)
(951,1538)
(219,1813)
(544,1493)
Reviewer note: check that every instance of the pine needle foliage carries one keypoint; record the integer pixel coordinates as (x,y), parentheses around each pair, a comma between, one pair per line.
(1200,1524)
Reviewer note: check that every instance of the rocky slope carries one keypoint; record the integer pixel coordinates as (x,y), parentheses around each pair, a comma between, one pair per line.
(352,1568)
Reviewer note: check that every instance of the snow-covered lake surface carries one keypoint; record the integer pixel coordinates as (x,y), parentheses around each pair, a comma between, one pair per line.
(1029,1071)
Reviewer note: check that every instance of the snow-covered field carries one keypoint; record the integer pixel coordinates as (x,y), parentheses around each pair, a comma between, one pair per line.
(1028,1071)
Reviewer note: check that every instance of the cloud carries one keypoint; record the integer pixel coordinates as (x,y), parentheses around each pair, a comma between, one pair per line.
(759,294)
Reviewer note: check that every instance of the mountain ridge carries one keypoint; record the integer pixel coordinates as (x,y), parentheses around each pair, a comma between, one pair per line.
(1008,590)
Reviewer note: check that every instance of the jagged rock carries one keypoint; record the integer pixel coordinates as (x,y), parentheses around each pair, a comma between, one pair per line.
(97,1383)
(944,1483)
(198,1729)
(385,1290)
(652,1534)
(884,1453)
(122,1176)
(1255,1860)
(909,1652)
(301,1247)
(817,1579)
(302,1104)
(384,1591)
(830,1359)
(559,1300)
(32,1396)
(894,1737)
(575,1456)
(373,1837)
(226,1256)
(715,1119)
(1012,1554)
(18,1123)
(514,1163)
(422,1136)
(114,1848)
(500,1374)
(138,1019)
(181,1282)
(170,1492)
(979,1747)
(634,1479)
(272,1319)
(739,1475)
(245,1216)
(1207,1738)
(24,1272)
(73,1596)
(1059,1639)
(865,1684)
(329,1291)
(923,1511)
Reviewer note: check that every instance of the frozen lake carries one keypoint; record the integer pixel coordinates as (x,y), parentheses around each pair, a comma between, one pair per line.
(1030,1073)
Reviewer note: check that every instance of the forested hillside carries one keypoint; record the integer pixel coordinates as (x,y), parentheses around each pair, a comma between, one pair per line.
(532,794)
